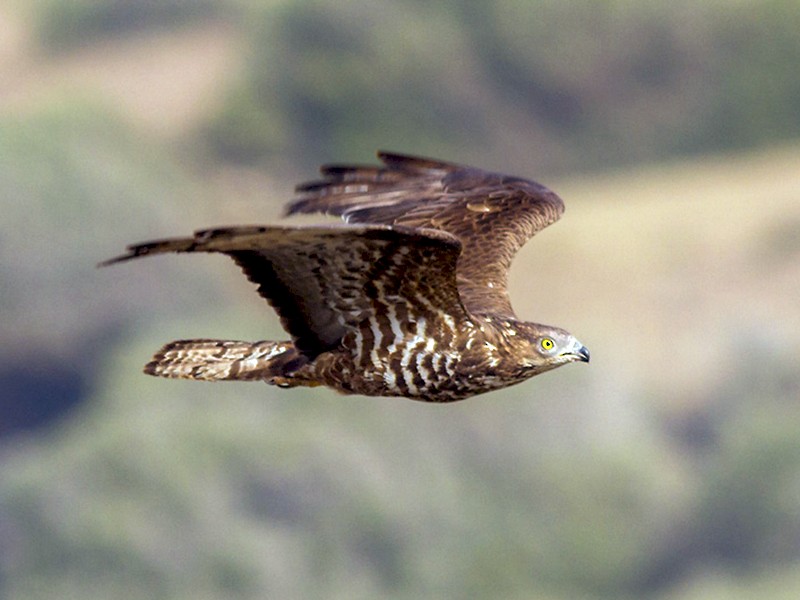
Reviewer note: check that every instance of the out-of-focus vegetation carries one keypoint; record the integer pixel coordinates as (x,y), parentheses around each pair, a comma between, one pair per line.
(64,25)
(557,84)
(562,85)
(668,469)
(71,175)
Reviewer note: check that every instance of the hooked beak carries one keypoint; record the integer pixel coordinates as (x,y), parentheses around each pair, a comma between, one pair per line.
(583,353)
(577,352)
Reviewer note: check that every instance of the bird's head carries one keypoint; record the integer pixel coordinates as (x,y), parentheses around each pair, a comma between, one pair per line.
(550,347)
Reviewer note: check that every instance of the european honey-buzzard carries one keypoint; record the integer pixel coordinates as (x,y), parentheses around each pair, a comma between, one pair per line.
(408,299)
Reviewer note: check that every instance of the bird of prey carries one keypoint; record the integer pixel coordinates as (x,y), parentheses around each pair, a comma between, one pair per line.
(409,298)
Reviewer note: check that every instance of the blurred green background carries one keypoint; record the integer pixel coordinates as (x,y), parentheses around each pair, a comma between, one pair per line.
(667,469)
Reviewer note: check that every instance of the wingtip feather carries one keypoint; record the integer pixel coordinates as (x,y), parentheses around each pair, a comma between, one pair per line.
(398,160)
(133,252)
(154,247)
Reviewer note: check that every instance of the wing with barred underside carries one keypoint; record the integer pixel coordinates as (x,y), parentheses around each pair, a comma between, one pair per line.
(324,281)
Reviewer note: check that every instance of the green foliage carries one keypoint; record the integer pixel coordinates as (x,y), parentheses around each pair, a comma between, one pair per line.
(245,130)
(750,511)
(570,84)
(75,22)
(76,182)
(328,84)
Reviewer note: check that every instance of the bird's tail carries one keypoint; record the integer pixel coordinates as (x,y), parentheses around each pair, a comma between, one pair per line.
(215,360)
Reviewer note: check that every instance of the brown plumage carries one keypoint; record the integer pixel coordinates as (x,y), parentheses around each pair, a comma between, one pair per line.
(409,299)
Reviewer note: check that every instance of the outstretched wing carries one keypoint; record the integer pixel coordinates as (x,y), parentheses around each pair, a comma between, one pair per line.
(492,215)
(324,281)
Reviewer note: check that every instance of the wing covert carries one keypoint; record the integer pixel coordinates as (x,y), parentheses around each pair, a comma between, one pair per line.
(492,215)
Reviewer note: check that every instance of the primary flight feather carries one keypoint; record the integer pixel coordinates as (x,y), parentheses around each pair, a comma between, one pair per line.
(409,298)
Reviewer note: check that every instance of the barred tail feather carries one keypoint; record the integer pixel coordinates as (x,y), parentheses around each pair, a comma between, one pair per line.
(215,360)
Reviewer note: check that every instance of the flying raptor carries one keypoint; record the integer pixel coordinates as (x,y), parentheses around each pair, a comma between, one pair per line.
(409,298)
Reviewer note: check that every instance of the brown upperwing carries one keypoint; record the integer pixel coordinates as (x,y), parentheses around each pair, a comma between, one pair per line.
(492,214)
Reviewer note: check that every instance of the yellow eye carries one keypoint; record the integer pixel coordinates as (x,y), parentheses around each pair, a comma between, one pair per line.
(547,344)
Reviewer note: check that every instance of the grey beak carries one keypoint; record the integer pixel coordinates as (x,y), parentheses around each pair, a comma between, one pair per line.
(584,354)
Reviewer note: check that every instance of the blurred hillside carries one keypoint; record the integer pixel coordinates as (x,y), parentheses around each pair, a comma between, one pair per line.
(526,84)
(667,469)
(544,85)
